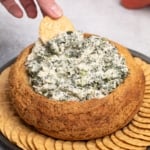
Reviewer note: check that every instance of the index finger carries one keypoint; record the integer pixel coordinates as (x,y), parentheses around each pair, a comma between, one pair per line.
(12,8)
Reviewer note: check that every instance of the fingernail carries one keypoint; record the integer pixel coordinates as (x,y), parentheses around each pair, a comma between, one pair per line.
(16,11)
(31,11)
(56,11)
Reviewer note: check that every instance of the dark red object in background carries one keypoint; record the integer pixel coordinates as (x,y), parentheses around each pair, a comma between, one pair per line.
(135,4)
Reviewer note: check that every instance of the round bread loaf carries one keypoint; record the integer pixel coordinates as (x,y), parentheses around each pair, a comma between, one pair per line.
(77,120)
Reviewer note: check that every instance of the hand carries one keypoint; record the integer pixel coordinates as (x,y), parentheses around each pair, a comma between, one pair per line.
(48,7)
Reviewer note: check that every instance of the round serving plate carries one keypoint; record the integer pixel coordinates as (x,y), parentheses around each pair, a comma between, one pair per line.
(7,145)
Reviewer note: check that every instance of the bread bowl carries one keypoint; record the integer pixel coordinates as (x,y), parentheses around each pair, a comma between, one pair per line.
(77,120)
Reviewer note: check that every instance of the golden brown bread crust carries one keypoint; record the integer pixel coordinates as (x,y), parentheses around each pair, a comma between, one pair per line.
(72,120)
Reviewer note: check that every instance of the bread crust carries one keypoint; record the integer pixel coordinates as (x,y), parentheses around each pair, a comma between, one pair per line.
(73,120)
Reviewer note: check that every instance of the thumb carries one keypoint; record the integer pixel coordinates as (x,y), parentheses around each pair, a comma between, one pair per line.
(50,8)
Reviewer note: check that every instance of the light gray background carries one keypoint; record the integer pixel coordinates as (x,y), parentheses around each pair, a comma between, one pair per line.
(104,17)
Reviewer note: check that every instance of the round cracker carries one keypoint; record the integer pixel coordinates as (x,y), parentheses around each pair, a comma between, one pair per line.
(4,87)
(145,110)
(59,145)
(147,87)
(108,142)
(15,137)
(141,119)
(130,133)
(147,91)
(147,78)
(49,143)
(138,61)
(144,66)
(147,83)
(25,130)
(5,107)
(141,125)
(49,27)
(39,141)
(30,140)
(79,145)
(2,119)
(124,144)
(4,78)
(139,130)
(19,131)
(4,96)
(100,145)
(145,100)
(145,104)
(8,109)
(137,142)
(91,145)
(5,102)
(5,116)
(2,124)
(5,73)
(144,114)
(147,96)
(67,145)
(9,125)
(147,70)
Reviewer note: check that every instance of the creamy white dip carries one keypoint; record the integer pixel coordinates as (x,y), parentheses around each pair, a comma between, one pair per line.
(71,67)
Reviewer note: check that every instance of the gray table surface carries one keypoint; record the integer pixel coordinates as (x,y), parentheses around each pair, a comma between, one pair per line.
(103,17)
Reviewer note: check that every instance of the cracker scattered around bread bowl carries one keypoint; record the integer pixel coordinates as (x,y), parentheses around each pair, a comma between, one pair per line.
(75,120)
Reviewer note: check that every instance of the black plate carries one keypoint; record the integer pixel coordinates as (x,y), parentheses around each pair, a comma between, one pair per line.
(10,146)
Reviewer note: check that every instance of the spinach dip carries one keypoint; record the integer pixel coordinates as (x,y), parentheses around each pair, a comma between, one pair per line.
(72,67)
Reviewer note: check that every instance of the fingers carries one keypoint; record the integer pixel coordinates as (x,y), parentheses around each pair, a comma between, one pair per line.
(30,8)
(12,7)
(50,8)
